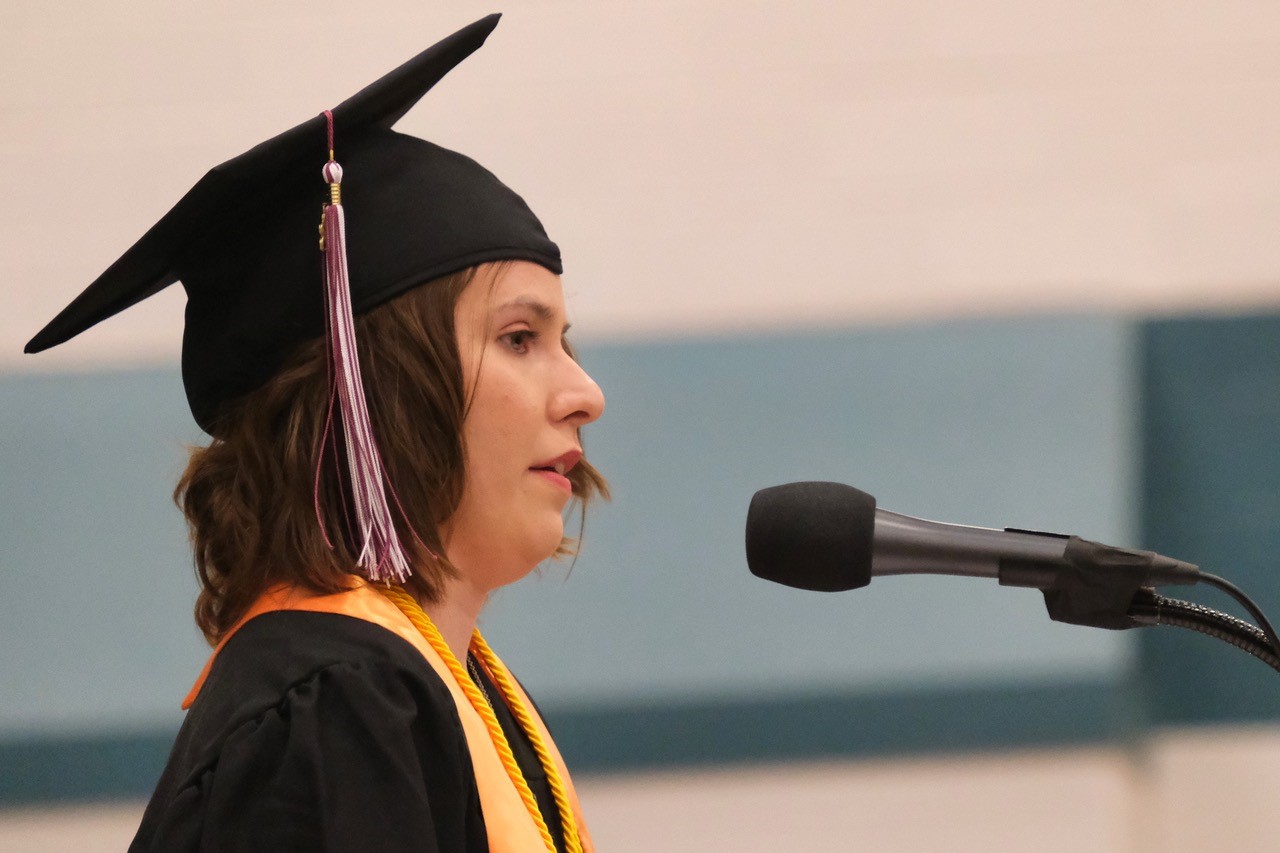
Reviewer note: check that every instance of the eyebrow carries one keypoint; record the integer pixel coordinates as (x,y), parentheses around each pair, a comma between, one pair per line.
(541,309)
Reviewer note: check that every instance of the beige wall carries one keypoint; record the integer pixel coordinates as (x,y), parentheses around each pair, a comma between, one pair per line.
(706,165)
(1185,792)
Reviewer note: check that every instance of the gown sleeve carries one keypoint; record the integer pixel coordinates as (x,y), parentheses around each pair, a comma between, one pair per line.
(355,757)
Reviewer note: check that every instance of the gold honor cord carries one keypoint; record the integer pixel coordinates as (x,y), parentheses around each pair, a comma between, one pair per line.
(502,678)
(409,606)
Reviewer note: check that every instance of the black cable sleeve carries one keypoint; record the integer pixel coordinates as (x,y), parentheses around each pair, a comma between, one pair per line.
(1151,608)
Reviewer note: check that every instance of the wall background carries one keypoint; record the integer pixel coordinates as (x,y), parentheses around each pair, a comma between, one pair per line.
(933,251)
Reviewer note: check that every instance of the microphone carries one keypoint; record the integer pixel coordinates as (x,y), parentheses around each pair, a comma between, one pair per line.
(831,537)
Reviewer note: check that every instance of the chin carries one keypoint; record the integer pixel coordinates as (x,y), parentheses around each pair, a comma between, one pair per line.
(547,542)
(524,553)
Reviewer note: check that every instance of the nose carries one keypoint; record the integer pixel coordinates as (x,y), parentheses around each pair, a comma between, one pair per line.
(577,399)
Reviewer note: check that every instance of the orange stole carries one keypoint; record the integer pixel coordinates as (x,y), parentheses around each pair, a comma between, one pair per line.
(509,826)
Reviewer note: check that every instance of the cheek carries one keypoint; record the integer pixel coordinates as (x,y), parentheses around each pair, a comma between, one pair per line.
(499,434)
(489,424)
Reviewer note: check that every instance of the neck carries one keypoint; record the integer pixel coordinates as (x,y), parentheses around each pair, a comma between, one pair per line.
(455,614)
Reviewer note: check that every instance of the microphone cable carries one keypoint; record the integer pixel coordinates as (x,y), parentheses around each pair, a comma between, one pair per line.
(1150,608)
(1247,603)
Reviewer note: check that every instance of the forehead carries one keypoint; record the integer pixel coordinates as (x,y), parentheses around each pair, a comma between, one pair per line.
(502,293)
(524,284)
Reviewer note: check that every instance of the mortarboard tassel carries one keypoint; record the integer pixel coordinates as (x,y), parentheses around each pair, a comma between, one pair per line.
(381,557)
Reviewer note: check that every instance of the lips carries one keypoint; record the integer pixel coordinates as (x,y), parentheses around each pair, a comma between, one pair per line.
(556,470)
(562,464)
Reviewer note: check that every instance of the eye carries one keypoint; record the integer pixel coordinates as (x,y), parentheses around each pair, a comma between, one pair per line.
(520,341)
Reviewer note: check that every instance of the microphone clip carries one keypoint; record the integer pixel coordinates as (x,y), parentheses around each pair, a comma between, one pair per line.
(1095,584)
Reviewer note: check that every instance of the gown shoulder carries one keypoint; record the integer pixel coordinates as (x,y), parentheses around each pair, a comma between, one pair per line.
(317,731)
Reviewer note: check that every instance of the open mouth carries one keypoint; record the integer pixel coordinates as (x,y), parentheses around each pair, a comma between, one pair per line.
(555,474)
(556,471)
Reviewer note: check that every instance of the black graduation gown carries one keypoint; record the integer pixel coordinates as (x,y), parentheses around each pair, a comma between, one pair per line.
(323,732)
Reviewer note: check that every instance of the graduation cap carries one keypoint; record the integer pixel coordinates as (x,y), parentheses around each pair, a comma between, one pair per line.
(243,242)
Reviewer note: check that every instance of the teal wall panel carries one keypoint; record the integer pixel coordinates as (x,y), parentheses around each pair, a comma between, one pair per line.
(1021,422)
(95,613)
(1024,423)
(1211,495)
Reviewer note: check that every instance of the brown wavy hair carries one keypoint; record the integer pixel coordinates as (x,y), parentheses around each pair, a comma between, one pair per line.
(252,498)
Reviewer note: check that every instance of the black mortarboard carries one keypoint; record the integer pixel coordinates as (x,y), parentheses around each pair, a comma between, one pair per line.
(243,240)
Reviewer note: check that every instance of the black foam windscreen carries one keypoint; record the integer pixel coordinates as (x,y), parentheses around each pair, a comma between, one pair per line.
(811,535)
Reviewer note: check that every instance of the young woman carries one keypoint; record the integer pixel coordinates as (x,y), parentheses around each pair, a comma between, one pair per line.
(392,441)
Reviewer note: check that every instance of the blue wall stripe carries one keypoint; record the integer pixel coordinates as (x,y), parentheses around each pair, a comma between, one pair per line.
(81,769)
(1021,422)
(1210,490)
(922,720)
(965,421)
(706,732)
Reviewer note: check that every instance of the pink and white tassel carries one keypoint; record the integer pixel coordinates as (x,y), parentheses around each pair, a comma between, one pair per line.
(381,556)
